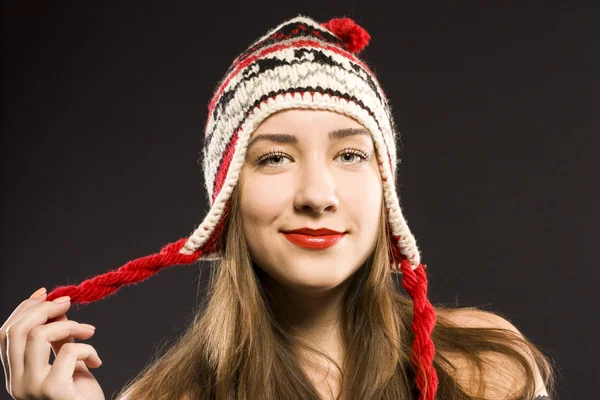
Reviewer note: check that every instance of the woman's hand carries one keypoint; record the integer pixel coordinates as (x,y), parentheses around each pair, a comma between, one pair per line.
(26,338)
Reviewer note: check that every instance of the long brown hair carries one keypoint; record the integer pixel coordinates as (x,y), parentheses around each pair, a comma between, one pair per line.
(237,347)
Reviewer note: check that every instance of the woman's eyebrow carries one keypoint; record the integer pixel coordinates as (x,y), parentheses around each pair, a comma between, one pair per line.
(289,138)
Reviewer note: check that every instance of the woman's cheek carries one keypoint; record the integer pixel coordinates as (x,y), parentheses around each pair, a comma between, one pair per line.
(268,192)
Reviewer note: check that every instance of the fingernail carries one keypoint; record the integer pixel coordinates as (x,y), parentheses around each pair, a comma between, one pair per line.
(38,293)
(88,326)
(61,299)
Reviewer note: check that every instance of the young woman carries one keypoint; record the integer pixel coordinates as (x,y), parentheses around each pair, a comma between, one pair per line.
(317,288)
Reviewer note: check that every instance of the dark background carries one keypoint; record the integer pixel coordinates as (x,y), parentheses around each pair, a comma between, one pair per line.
(103,113)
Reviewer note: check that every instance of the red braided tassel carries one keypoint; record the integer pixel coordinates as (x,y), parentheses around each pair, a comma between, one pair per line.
(423,350)
(134,271)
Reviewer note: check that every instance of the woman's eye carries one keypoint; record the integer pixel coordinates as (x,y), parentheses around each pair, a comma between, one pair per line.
(350,157)
(276,156)
(354,154)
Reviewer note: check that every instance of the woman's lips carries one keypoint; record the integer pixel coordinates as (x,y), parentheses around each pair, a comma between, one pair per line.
(313,242)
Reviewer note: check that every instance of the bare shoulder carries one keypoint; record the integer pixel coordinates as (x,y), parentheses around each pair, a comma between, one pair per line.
(503,373)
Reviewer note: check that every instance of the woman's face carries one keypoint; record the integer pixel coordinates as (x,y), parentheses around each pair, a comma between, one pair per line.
(310,178)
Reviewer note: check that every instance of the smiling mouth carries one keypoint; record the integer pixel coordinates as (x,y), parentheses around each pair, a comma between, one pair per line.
(317,242)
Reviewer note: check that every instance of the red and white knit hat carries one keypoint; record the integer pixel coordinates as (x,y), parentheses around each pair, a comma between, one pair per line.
(299,64)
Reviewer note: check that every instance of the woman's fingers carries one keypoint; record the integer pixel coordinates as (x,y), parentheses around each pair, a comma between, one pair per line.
(16,314)
(81,367)
(22,308)
(17,333)
(58,344)
(37,349)
(26,337)
(66,360)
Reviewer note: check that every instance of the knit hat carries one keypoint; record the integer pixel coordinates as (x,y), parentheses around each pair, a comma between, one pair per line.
(299,64)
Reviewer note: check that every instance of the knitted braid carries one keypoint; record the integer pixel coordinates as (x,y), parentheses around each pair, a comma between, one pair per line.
(137,270)
(423,350)
(134,271)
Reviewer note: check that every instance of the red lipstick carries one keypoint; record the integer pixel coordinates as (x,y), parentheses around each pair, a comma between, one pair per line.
(321,238)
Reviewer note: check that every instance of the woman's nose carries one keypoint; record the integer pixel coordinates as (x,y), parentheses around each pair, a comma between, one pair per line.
(316,189)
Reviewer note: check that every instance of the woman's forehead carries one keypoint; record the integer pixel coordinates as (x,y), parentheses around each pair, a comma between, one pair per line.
(306,118)
(291,126)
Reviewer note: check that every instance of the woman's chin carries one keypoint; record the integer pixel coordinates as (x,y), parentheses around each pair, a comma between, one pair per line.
(316,281)
(311,274)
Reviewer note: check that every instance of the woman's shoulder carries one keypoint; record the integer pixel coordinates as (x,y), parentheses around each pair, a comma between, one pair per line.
(506,373)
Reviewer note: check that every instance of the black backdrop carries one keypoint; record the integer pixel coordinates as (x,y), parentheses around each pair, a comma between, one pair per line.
(103,112)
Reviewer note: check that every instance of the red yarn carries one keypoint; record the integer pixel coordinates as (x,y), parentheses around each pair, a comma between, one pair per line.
(423,350)
(354,36)
(134,271)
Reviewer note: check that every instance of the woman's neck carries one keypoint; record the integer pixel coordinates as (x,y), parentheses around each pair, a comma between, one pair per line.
(313,317)
(311,314)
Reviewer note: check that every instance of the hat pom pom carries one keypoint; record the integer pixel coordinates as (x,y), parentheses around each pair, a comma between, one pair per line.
(353,35)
